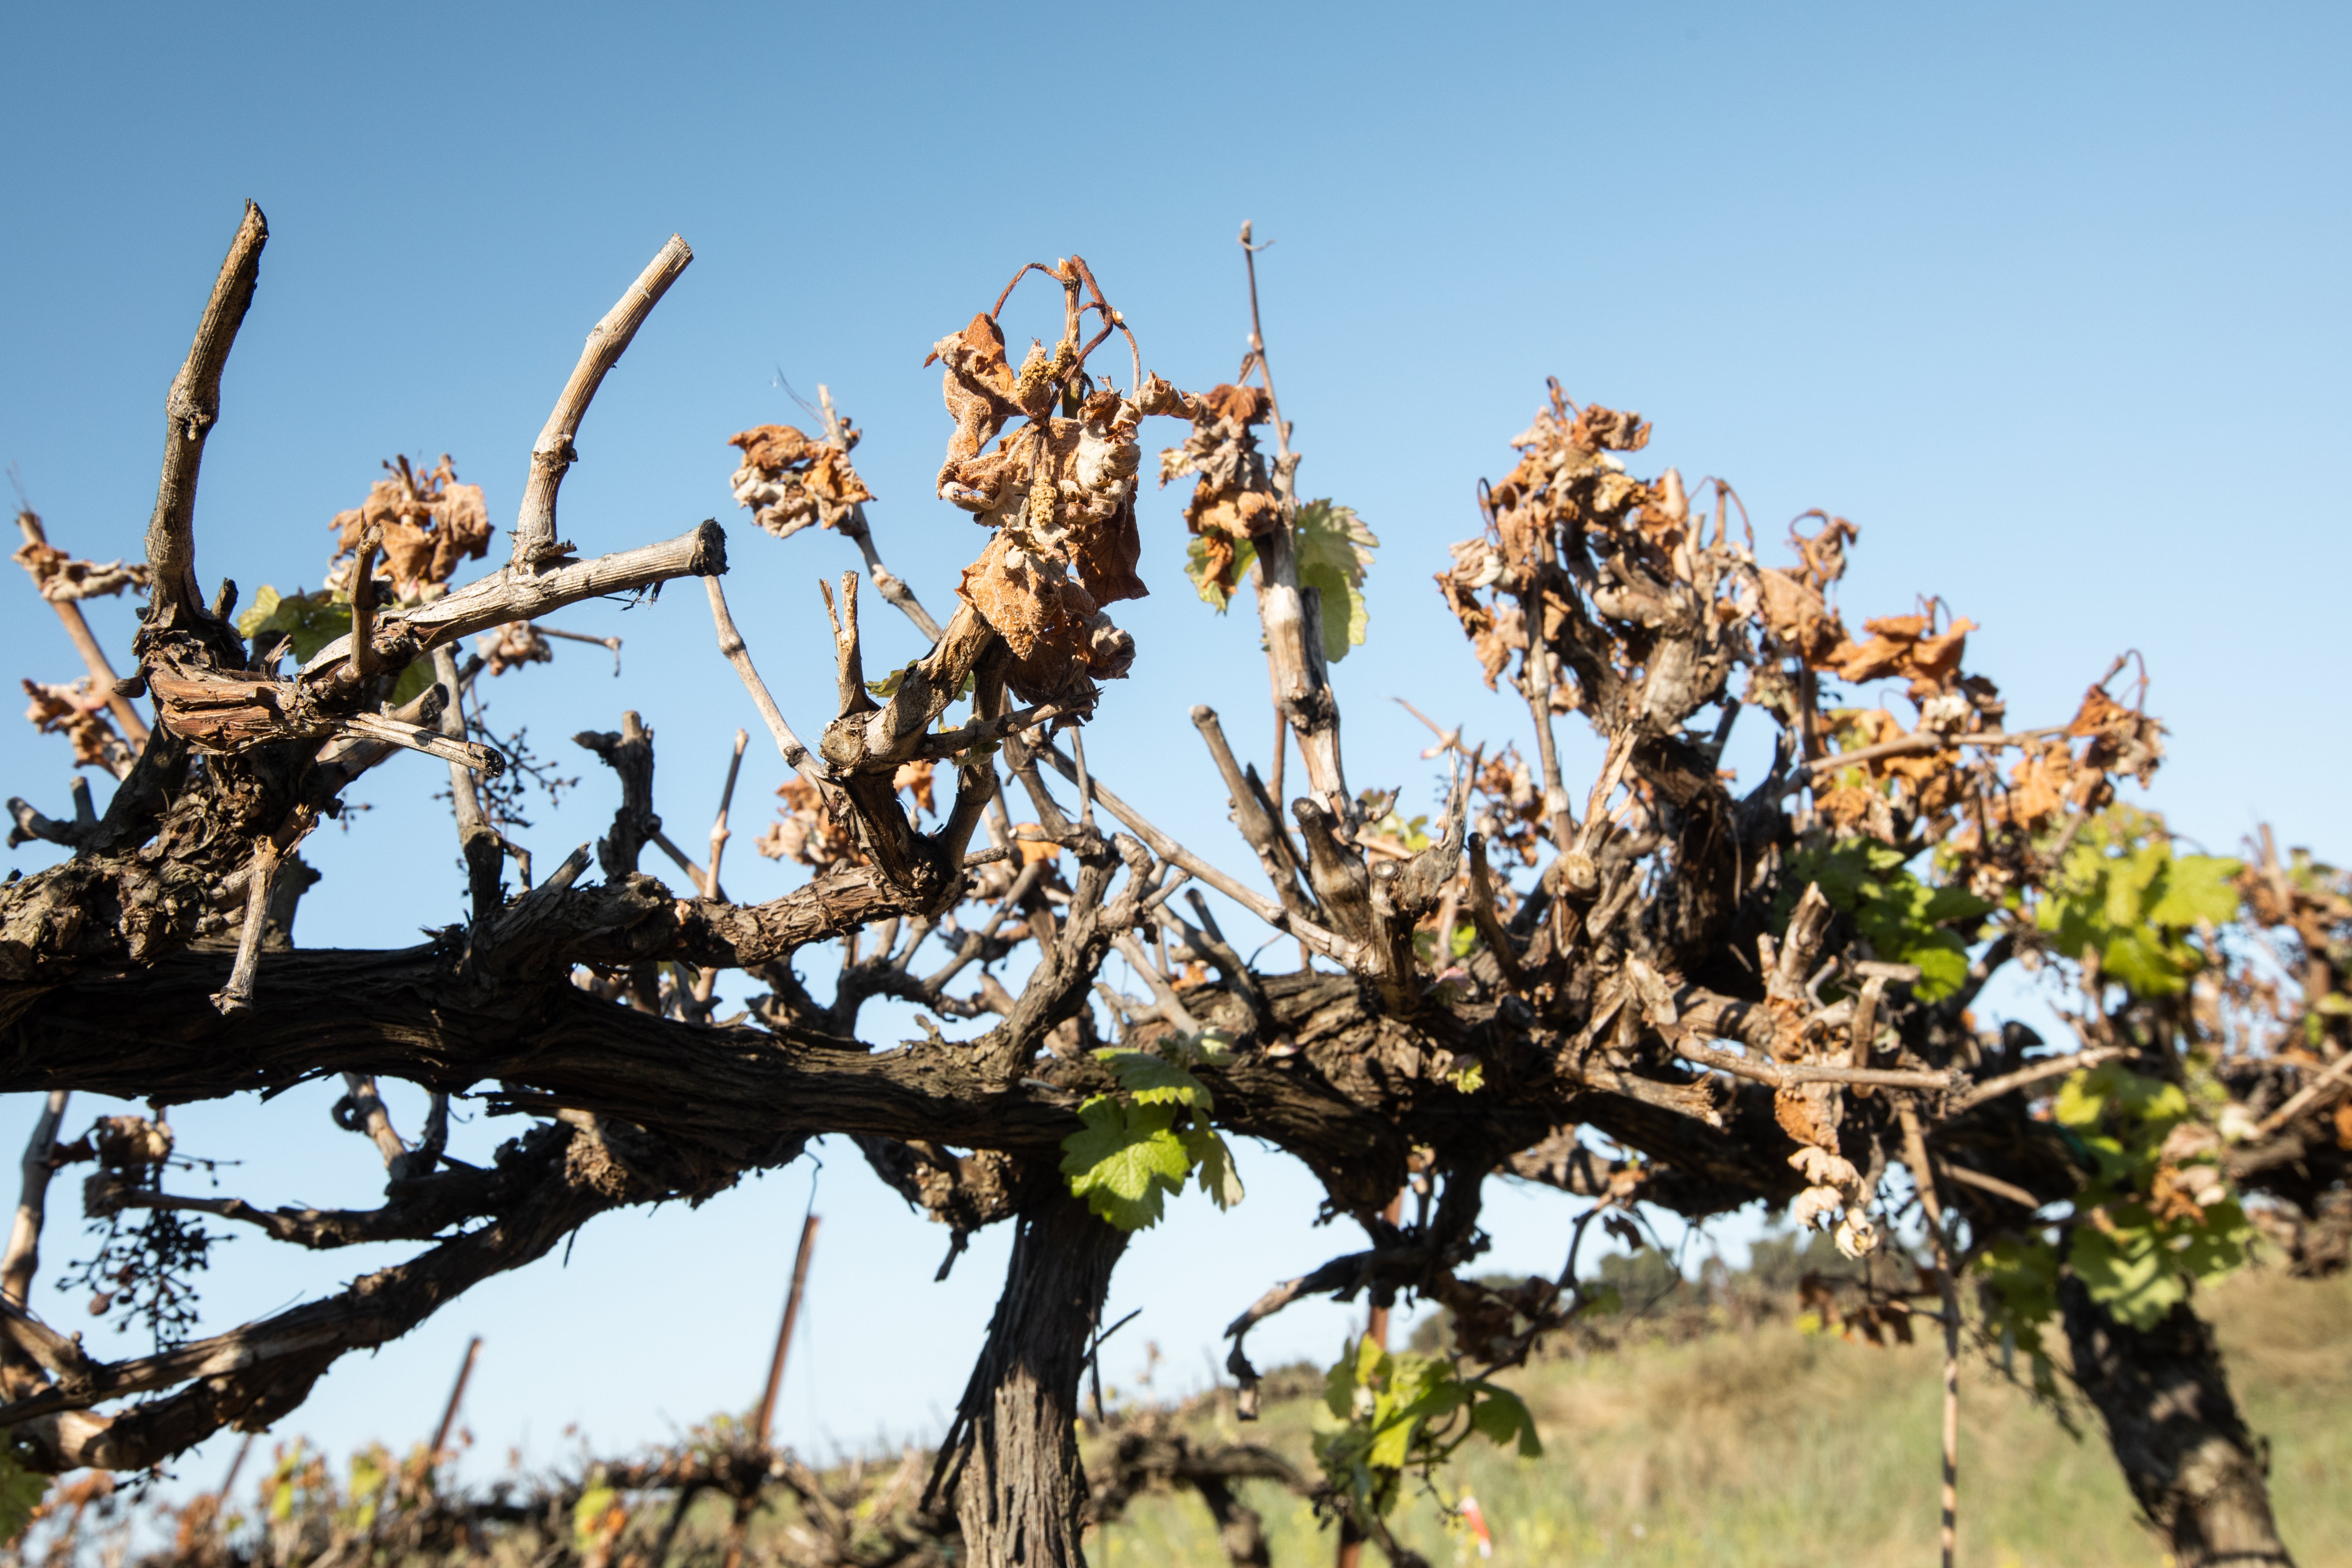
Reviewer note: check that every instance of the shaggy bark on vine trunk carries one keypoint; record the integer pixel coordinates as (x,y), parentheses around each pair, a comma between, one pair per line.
(2200,1474)
(1019,1491)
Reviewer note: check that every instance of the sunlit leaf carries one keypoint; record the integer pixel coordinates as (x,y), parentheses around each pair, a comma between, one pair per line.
(1334,547)
(2198,888)
(2131,1276)
(1213,1165)
(1125,1160)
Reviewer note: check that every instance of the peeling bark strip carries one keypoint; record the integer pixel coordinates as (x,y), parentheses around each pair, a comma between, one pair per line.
(2198,1473)
(1755,996)
(1011,1458)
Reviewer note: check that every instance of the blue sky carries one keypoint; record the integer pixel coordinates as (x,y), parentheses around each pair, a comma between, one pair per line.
(2048,302)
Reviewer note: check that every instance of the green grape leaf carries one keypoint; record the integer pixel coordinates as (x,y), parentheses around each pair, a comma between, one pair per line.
(1392,1442)
(588,1514)
(1950,903)
(2136,959)
(412,683)
(1334,547)
(1125,1160)
(2122,893)
(1504,1419)
(1415,1381)
(256,615)
(1907,921)
(370,1470)
(1943,966)
(1340,1388)
(2198,888)
(1152,1080)
(2084,1098)
(2130,1274)
(1213,1165)
(310,621)
(2021,1274)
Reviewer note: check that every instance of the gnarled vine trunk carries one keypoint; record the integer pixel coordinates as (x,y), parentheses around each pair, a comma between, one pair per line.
(1019,1491)
(2197,1471)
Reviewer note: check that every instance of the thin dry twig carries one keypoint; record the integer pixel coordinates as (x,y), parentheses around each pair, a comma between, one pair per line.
(2038,1072)
(731,647)
(93,657)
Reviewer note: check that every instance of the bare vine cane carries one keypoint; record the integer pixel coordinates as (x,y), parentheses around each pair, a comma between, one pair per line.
(852,521)
(552,455)
(731,647)
(707,981)
(1293,643)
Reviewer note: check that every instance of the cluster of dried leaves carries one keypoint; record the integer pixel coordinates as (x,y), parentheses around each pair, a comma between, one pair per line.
(807,832)
(424,521)
(791,481)
(62,579)
(1232,501)
(78,713)
(1058,490)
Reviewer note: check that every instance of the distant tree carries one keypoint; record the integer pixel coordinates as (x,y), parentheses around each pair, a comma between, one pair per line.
(1655,991)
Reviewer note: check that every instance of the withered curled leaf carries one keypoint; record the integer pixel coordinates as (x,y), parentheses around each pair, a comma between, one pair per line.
(790,481)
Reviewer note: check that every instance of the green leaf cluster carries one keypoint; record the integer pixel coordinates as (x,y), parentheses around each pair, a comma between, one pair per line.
(1134,1149)
(1906,920)
(1386,1412)
(2135,1264)
(311,621)
(2122,891)
(1334,547)
(589,1515)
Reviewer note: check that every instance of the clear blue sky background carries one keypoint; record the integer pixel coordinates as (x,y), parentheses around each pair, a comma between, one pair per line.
(2048,302)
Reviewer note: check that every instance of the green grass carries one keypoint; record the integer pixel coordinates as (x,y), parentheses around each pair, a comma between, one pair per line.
(1766,1446)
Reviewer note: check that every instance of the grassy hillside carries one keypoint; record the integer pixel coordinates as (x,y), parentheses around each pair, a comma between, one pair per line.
(1766,1446)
